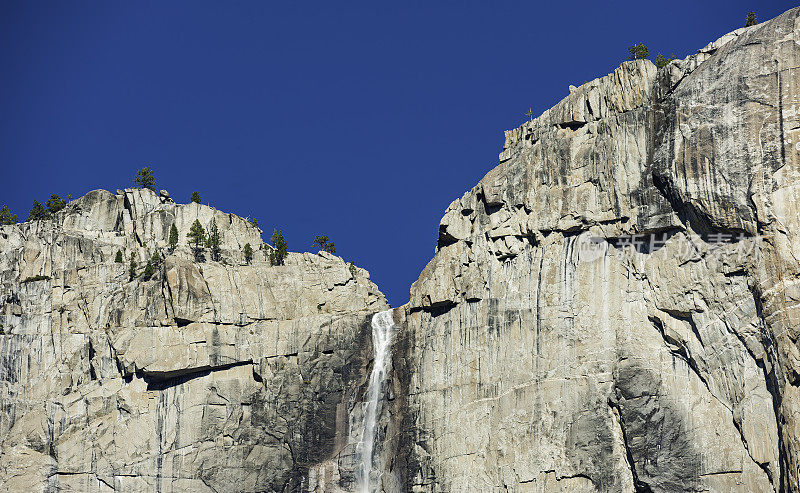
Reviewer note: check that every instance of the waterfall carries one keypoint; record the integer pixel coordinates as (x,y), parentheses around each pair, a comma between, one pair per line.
(382,334)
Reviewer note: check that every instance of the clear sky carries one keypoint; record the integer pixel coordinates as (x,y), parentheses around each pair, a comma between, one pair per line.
(358,120)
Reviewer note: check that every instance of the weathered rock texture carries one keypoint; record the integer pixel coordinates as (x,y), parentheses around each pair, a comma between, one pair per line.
(211,376)
(544,348)
(536,359)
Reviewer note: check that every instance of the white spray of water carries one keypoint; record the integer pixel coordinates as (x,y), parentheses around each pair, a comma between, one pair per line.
(382,334)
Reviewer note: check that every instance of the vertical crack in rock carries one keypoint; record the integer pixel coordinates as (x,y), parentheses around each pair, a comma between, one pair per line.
(781,134)
(772,380)
(681,351)
(640,486)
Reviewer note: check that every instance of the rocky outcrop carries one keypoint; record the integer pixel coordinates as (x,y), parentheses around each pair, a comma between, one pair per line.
(616,305)
(209,376)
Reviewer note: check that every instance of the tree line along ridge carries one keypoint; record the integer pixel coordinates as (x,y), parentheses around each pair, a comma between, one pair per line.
(200,239)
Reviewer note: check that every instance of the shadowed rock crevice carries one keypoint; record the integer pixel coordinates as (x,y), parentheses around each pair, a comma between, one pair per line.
(656,434)
(640,486)
(163,380)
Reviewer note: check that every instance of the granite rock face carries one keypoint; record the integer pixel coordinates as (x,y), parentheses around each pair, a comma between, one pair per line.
(209,376)
(614,308)
(616,305)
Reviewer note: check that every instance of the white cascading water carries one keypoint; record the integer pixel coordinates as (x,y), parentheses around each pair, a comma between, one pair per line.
(382,334)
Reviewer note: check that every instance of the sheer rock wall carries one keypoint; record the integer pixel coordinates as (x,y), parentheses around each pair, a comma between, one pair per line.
(211,376)
(616,305)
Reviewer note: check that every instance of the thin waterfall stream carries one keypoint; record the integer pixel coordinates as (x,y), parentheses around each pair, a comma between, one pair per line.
(383,330)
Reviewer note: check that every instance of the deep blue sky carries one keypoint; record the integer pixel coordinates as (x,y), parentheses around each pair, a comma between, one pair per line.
(359,120)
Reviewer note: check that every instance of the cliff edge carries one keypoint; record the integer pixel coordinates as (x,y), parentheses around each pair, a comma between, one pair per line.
(616,305)
(208,376)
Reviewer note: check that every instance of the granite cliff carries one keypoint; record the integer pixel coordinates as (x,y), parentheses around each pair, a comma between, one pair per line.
(212,376)
(614,307)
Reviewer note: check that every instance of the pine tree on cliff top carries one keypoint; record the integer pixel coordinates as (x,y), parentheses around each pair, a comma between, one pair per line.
(279,248)
(196,237)
(145,179)
(638,52)
(214,242)
(38,212)
(55,203)
(324,244)
(6,217)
